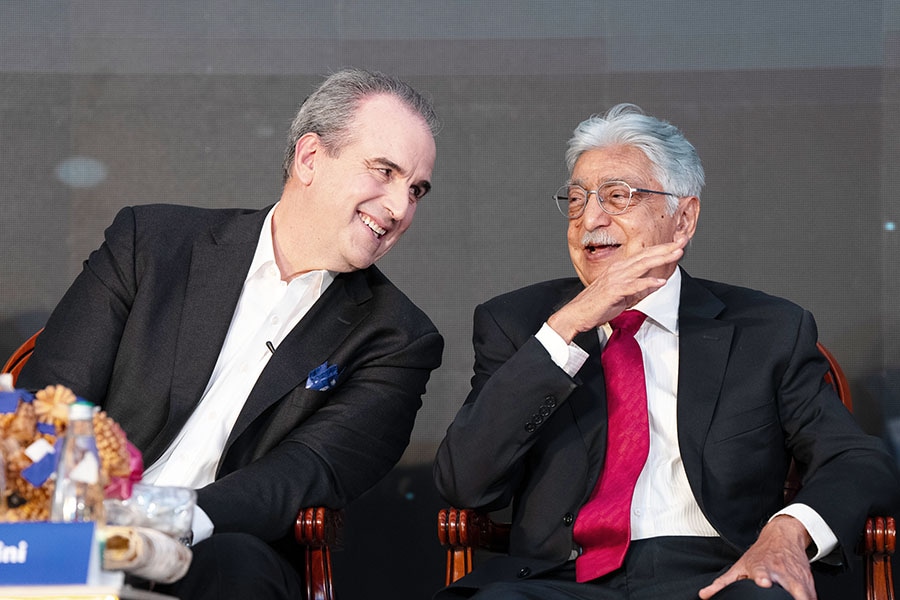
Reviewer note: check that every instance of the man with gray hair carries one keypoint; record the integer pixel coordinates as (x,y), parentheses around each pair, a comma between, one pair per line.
(259,356)
(640,421)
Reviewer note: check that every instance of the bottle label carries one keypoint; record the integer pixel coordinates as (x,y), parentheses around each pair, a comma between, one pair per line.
(87,470)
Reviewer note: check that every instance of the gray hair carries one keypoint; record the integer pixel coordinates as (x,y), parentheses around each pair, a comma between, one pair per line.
(330,110)
(675,161)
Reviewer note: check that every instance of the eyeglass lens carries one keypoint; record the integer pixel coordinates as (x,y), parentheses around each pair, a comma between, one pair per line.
(614,197)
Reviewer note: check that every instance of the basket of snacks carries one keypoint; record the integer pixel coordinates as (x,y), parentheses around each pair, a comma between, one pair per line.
(31,427)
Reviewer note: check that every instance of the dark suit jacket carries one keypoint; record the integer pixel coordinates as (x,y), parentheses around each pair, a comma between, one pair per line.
(750,395)
(140,330)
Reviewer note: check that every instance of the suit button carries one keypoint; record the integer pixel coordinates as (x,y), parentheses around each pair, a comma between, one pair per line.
(568,519)
(523,572)
(545,412)
(550,401)
(530,427)
(536,418)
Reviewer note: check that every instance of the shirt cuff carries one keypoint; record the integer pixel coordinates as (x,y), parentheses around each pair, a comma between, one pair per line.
(568,357)
(822,535)
(201,526)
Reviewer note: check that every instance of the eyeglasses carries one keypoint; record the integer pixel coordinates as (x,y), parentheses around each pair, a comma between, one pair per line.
(614,197)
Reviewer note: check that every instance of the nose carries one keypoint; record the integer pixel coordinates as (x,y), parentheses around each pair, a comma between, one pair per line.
(396,201)
(594,216)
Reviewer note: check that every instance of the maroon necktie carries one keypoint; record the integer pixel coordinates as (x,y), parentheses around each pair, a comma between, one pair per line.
(603,526)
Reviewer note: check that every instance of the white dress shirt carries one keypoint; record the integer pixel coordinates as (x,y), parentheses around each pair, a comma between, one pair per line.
(663,503)
(268,309)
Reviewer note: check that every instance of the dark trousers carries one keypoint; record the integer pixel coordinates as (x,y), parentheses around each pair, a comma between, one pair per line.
(239,566)
(670,568)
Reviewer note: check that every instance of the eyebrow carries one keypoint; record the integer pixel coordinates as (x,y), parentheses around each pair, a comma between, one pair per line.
(582,182)
(424,184)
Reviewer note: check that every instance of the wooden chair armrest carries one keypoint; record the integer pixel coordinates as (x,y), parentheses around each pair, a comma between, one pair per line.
(879,544)
(469,528)
(462,531)
(319,526)
(319,531)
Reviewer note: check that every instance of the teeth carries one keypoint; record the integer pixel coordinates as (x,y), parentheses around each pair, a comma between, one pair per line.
(598,238)
(379,231)
(593,249)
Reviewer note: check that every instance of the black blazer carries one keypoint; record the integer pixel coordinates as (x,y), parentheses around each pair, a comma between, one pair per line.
(140,330)
(750,395)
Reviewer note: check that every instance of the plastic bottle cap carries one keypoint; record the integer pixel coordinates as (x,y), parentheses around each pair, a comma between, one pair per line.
(81,411)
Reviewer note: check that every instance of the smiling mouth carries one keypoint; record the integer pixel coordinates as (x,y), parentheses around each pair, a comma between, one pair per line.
(598,241)
(371,224)
(593,248)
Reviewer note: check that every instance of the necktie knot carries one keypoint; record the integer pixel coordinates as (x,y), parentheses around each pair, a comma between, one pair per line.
(629,321)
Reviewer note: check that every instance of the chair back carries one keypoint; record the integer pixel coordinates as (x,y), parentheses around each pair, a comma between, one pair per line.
(835,376)
(20,357)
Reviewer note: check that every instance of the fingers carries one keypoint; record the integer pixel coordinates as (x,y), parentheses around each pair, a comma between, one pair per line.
(657,255)
(761,579)
(797,582)
(800,587)
(643,265)
(733,574)
(797,591)
(632,279)
(712,589)
(622,285)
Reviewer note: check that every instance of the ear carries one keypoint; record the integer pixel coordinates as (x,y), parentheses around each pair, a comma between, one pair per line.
(687,215)
(305,151)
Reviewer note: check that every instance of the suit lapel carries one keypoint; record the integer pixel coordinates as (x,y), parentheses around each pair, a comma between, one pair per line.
(219,259)
(315,339)
(704,347)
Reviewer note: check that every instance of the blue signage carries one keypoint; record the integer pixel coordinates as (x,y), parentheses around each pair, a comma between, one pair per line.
(45,553)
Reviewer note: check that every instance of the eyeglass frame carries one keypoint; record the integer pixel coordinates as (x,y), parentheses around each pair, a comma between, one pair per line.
(596,192)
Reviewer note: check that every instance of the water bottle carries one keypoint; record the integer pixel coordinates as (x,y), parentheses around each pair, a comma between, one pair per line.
(78,493)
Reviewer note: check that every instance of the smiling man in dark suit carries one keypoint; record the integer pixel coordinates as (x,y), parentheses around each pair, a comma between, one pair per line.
(729,382)
(258,356)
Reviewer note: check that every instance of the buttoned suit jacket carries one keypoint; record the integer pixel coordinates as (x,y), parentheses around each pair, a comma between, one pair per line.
(751,394)
(140,330)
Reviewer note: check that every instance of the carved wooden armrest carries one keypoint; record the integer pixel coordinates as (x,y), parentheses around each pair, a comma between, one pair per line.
(880,541)
(319,531)
(463,530)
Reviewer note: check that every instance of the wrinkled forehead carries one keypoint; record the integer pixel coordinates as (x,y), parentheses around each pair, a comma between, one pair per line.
(613,163)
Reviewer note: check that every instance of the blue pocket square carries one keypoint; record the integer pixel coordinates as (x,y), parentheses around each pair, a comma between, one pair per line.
(322,377)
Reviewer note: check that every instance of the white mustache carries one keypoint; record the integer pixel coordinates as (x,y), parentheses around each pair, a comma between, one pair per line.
(598,238)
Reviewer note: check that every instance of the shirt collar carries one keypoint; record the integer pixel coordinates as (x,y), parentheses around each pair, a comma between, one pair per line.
(264,258)
(662,305)
(265,248)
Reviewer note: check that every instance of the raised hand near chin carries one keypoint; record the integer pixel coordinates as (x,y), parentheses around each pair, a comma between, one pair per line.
(620,286)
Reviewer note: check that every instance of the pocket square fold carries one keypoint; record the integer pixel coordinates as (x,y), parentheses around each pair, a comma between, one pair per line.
(322,377)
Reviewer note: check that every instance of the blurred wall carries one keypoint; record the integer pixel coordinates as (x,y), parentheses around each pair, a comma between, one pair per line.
(794,108)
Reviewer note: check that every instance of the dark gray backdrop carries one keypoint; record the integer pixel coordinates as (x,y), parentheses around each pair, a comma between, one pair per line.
(792,106)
